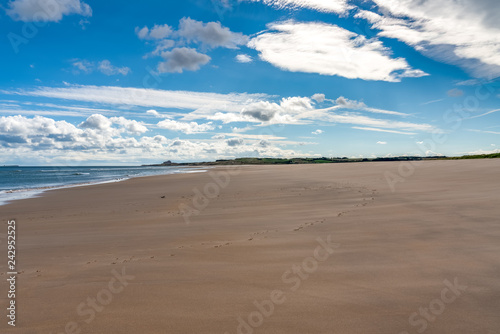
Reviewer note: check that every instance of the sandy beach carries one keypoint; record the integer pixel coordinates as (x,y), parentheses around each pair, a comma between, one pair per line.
(264,249)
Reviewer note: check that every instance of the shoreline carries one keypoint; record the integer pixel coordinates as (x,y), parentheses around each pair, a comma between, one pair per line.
(39,191)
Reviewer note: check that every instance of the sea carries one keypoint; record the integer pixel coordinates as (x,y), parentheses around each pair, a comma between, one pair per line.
(25,182)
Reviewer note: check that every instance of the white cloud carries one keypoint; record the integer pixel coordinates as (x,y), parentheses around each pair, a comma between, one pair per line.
(317,132)
(382,142)
(157,32)
(318,97)
(485,131)
(344,103)
(185,56)
(383,130)
(130,125)
(486,113)
(46,141)
(180,59)
(477,152)
(102,123)
(326,6)
(464,33)
(234,142)
(83,65)
(103,66)
(243,58)
(161,46)
(153,112)
(203,102)
(41,133)
(188,128)
(227,108)
(211,34)
(329,50)
(96,121)
(37,10)
(106,68)
(352,118)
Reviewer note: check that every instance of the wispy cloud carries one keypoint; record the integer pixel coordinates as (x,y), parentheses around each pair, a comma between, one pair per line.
(486,113)
(438,31)
(485,131)
(326,6)
(288,45)
(383,130)
(259,109)
(104,66)
(112,95)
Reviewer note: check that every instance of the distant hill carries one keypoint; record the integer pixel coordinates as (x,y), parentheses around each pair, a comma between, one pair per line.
(478,156)
(322,160)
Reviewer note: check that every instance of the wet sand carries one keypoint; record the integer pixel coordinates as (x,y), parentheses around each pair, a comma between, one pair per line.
(268,249)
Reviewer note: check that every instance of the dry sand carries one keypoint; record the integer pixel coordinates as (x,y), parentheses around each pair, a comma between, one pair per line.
(394,255)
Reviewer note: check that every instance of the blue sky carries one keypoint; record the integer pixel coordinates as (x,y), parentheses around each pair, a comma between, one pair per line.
(122,82)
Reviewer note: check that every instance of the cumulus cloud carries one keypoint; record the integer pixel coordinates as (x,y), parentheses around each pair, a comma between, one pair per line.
(326,6)
(104,66)
(97,131)
(157,32)
(351,104)
(130,125)
(317,132)
(463,33)
(96,121)
(53,11)
(184,41)
(234,142)
(161,46)
(243,58)
(102,123)
(186,127)
(318,97)
(180,59)
(382,142)
(263,110)
(212,34)
(329,50)
(44,140)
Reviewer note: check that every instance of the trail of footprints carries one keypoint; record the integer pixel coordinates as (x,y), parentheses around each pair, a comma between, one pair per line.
(368,197)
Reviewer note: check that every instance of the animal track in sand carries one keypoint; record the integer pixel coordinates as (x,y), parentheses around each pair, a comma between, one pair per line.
(226,244)
(255,234)
(321,221)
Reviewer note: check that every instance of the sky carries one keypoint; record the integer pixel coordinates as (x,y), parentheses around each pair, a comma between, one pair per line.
(87,82)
